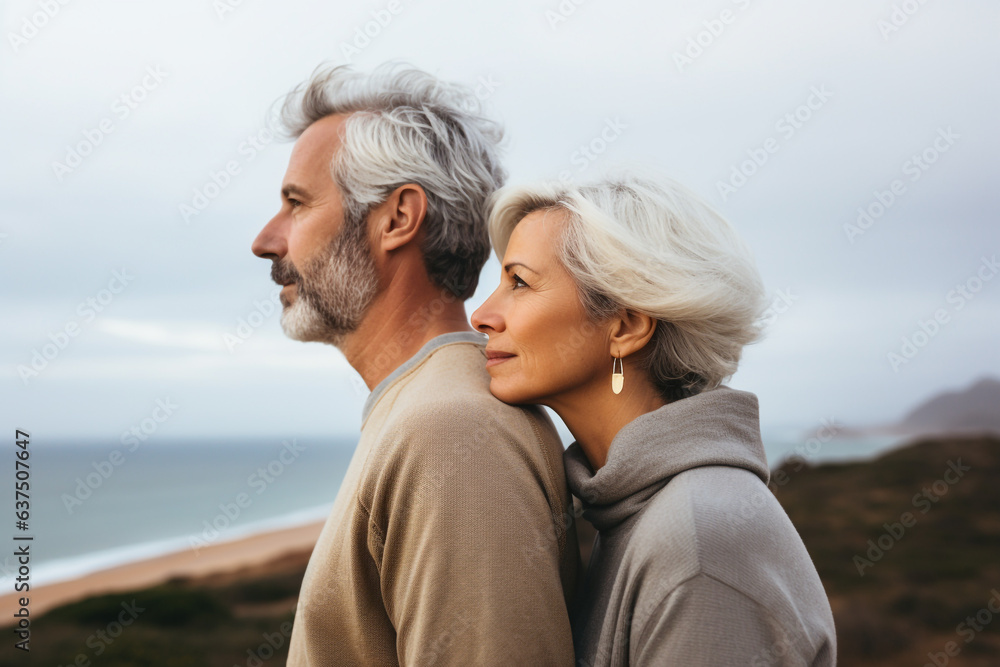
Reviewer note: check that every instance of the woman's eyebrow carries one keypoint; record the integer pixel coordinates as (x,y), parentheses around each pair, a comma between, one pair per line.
(508,266)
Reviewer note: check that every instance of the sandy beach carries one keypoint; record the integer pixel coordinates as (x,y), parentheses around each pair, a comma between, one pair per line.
(222,558)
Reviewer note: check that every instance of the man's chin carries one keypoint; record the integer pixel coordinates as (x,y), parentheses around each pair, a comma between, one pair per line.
(301,323)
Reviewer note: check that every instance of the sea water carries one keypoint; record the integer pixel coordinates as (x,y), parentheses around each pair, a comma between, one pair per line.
(95,505)
(92,509)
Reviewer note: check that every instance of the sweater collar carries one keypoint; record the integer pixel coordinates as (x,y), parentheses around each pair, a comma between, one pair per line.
(716,427)
(422,353)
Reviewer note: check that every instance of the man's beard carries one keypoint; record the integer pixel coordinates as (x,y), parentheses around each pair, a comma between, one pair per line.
(333,292)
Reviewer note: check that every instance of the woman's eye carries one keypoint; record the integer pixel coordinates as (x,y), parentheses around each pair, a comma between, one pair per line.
(518,282)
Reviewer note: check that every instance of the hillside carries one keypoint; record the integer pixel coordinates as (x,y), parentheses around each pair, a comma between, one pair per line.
(977,408)
(900,592)
(973,410)
(241,618)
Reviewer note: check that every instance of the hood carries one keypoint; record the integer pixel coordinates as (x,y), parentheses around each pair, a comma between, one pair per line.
(720,427)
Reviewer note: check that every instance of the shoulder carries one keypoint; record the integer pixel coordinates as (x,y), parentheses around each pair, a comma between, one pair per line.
(448,401)
(449,453)
(721,526)
(705,611)
(444,422)
(716,511)
(720,521)
(693,526)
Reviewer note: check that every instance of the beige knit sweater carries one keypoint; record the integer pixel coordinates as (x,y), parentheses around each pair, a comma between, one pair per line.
(447,542)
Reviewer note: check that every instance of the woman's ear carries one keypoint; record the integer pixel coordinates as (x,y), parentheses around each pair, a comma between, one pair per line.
(631,332)
(399,219)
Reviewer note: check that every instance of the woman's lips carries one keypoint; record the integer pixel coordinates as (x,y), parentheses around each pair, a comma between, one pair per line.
(494,358)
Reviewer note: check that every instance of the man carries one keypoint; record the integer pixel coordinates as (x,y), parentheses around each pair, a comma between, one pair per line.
(448,541)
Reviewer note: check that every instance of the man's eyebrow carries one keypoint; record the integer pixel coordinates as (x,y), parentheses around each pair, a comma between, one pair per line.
(508,266)
(292,189)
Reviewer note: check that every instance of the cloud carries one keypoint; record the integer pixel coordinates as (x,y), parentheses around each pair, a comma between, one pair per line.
(164,334)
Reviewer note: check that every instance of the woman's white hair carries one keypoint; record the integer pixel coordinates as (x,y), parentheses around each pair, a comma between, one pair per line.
(654,247)
(406,126)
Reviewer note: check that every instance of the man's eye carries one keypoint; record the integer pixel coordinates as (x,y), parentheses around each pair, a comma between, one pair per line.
(295,203)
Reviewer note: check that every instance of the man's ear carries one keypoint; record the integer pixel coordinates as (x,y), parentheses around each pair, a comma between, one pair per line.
(399,219)
(631,332)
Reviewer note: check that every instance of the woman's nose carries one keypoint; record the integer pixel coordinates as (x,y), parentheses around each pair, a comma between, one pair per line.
(487,318)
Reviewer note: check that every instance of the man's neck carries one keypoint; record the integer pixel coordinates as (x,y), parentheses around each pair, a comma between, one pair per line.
(396,326)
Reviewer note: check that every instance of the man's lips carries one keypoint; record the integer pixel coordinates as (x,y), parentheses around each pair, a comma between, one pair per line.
(494,357)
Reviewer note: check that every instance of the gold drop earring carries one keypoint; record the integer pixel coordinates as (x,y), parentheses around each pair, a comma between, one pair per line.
(617,378)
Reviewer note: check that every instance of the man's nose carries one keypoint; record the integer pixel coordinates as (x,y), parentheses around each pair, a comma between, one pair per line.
(270,242)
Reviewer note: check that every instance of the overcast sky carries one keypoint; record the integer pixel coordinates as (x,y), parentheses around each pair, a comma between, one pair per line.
(116,115)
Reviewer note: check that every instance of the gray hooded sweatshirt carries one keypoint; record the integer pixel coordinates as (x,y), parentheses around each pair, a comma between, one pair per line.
(695,562)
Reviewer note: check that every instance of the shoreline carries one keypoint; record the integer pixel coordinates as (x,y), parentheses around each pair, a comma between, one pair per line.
(221,558)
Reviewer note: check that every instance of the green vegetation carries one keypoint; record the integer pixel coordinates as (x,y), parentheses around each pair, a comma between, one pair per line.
(222,621)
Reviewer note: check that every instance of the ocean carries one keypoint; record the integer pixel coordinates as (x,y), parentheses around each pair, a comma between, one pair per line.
(92,509)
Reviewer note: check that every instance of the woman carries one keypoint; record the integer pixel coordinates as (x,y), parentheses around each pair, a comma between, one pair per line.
(623,306)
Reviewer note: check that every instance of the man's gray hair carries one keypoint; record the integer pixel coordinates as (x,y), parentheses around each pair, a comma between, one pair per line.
(406,126)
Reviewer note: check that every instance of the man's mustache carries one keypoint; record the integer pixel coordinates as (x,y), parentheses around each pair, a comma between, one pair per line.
(284,273)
